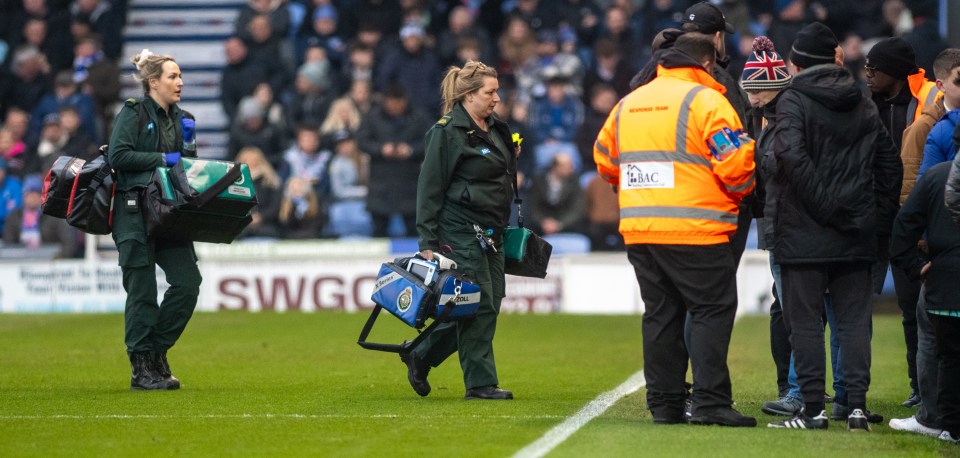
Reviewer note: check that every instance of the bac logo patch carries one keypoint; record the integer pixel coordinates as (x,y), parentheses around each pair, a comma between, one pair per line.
(405,299)
(484,151)
(647,175)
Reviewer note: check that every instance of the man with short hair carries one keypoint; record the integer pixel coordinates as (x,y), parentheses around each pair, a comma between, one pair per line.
(675,149)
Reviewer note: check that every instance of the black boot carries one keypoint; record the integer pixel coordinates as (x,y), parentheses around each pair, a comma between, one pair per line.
(417,372)
(144,376)
(163,369)
(488,392)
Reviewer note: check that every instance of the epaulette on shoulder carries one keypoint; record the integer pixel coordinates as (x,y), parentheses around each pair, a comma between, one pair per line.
(131,102)
(442,122)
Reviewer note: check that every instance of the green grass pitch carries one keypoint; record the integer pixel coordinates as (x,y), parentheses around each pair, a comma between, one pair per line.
(298,385)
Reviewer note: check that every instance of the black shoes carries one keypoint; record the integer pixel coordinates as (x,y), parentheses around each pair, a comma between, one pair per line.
(145,375)
(857,421)
(488,392)
(163,369)
(722,416)
(417,372)
(914,399)
(842,412)
(802,421)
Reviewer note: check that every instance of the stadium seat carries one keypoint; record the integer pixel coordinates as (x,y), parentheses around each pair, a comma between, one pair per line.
(349,218)
(568,243)
(545,152)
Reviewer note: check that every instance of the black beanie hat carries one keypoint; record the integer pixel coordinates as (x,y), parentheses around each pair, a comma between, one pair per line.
(815,45)
(893,56)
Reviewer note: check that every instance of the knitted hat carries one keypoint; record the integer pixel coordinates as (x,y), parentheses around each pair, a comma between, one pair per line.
(765,70)
(815,45)
(708,18)
(893,56)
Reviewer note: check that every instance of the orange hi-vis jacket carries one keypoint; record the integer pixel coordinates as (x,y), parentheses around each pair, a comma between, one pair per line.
(924,92)
(654,147)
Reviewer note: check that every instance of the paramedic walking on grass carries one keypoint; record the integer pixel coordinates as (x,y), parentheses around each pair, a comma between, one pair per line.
(675,148)
(466,180)
(147,134)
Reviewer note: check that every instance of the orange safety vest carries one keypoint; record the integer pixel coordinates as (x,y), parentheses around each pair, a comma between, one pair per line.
(654,147)
(924,92)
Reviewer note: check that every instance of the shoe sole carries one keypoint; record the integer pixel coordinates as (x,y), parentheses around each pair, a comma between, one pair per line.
(702,422)
(477,398)
(779,413)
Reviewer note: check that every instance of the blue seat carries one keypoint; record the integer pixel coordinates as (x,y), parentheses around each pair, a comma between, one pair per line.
(568,243)
(349,218)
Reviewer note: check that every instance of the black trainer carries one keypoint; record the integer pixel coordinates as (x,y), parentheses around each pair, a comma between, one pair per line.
(857,421)
(914,399)
(417,372)
(488,392)
(841,412)
(721,416)
(802,421)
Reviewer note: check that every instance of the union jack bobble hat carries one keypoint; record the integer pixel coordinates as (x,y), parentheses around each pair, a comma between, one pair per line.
(765,70)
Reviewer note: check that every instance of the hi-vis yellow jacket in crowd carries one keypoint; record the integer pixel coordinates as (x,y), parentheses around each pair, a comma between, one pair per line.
(654,147)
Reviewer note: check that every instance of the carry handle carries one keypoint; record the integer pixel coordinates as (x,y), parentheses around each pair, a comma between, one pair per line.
(178,179)
(517,200)
(390,348)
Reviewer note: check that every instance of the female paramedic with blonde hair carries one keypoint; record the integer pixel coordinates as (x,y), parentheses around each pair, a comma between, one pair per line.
(149,133)
(466,181)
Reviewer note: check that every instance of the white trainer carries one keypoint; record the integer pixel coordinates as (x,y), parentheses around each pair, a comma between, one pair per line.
(911,425)
(945,436)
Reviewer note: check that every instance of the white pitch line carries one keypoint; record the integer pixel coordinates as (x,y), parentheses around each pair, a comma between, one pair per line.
(256,416)
(594,409)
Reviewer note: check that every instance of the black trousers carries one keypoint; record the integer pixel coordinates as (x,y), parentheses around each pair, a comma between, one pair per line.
(908,294)
(947,330)
(850,289)
(779,344)
(381,224)
(675,280)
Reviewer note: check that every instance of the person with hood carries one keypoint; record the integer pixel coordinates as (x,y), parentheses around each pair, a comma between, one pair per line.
(674,148)
(901,91)
(825,230)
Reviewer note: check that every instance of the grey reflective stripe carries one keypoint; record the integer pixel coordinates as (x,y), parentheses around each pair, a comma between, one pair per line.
(683,116)
(610,177)
(931,96)
(617,123)
(667,156)
(742,187)
(606,152)
(911,112)
(678,212)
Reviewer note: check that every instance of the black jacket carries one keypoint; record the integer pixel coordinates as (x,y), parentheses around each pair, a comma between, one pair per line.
(924,212)
(838,171)
(393,181)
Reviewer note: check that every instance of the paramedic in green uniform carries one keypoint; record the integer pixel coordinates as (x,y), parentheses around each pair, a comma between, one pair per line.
(466,180)
(147,134)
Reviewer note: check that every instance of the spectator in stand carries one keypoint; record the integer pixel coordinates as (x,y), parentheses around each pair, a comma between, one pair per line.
(104,21)
(392,134)
(100,78)
(78,144)
(343,116)
(548,62)
(349,170)
(361,94)
(266,50)
(240,76)
(537,13)
(11,190)
(654,16)
(57,24)
(252,129)
(358,66)
(275,112)
(517,44)
(557,115)
(461,25)
(278,19)
(323,33)
(30,80)
(266,184)
(14,153)
(556,201)
(925,37)
(28,226)
(300,215)
(414,67)
(584,17)
(312,99)
(602,99)
(616,28)
(609,68)
(385,16)
(48,148)
(35,34)
(65,93)
(17,122)
(305,159)
(603,216)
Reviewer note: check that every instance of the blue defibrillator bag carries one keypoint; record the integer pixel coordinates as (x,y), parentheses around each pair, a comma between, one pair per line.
(414,294)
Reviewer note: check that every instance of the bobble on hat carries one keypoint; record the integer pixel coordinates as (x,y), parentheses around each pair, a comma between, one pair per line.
(765,70)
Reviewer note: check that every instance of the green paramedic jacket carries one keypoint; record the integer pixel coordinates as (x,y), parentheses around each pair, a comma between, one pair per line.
(134,153)
(465,178)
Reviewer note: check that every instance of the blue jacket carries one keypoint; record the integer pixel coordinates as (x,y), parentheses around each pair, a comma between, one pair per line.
(11,197)
(939,147)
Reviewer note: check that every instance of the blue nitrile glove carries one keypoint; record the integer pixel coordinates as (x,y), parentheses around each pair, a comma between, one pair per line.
(188,125)
(171,158)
